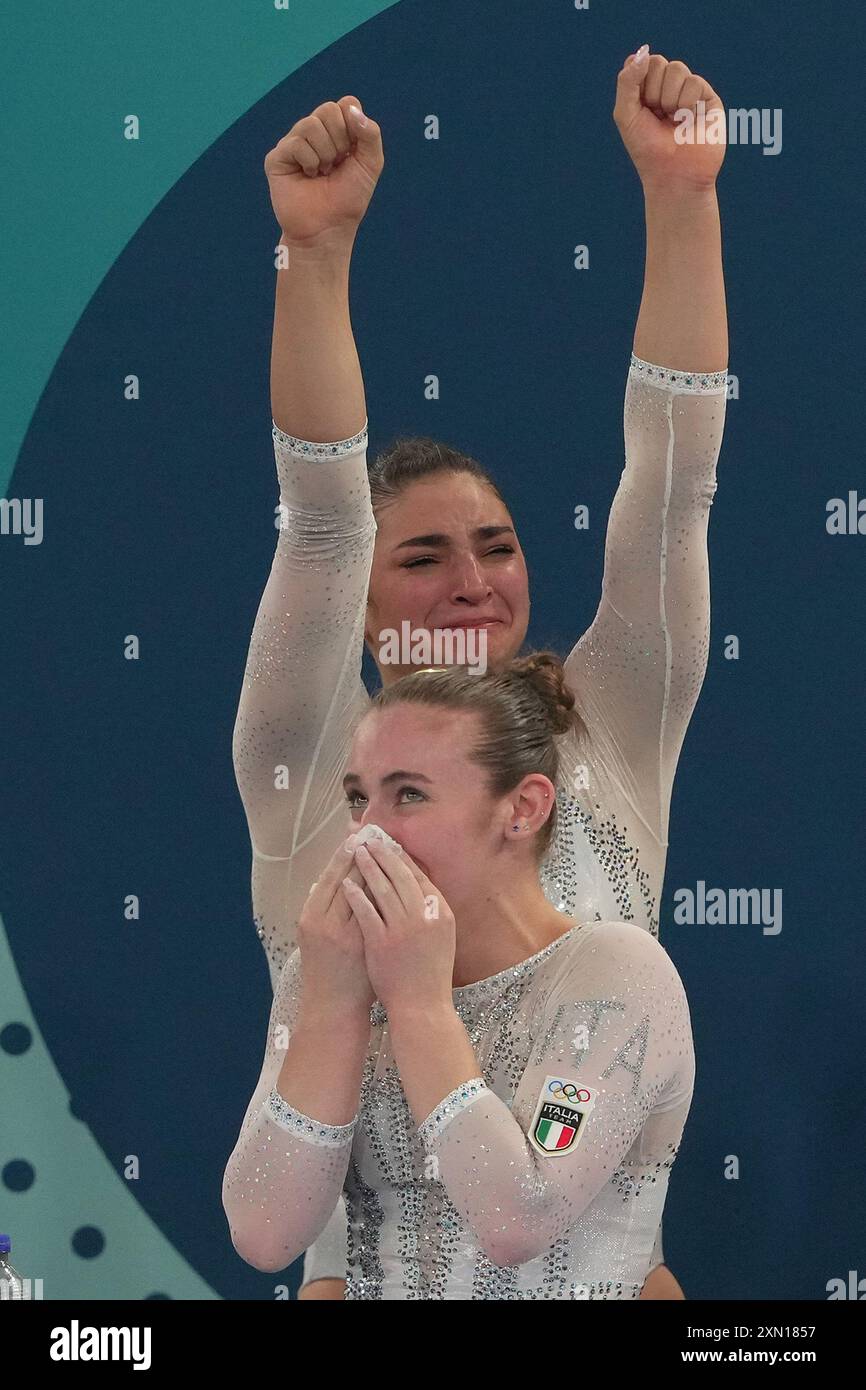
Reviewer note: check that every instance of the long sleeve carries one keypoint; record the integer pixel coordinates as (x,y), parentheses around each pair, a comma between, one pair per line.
(638,669)
(327,1258)
(302,692)
(286,1171)
(615,1040)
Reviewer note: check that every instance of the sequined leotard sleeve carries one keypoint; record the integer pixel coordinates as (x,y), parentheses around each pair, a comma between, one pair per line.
(286,1171)
(561,1152)
(302,692)
(638,669)
(617,1030)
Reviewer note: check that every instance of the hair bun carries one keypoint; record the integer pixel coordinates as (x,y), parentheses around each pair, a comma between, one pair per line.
(544,671)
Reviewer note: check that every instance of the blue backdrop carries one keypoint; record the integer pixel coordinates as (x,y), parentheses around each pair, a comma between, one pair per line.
(145,1038)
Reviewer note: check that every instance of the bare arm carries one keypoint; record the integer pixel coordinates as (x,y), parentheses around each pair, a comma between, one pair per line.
(321,178)
(317,391)
(683,318)
(673,125)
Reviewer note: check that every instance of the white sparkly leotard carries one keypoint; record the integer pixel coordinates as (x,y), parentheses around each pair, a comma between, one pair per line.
(636,674)
(465,1205)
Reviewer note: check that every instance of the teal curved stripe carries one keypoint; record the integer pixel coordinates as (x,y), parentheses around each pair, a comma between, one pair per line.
(75,190)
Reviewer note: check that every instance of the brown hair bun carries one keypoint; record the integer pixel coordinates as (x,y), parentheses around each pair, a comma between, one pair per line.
(544,671)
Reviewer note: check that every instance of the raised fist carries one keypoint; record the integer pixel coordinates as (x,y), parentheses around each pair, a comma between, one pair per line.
(323,173)
(648,97)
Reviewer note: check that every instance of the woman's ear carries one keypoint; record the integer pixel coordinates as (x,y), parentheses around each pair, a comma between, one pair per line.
(531,807)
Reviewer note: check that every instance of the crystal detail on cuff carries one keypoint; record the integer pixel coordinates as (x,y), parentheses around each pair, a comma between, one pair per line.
(687,382)
(445,1111)
(313,1131)
(319,451)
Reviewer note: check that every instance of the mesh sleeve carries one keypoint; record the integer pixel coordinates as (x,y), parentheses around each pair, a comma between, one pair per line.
(638,669)
(618,1044)
(302,691)
(286,1171)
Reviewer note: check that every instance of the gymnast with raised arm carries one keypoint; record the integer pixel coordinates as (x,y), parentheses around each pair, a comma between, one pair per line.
(423,534)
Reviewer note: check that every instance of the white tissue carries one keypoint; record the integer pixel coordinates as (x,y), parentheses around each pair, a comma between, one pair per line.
(374,832)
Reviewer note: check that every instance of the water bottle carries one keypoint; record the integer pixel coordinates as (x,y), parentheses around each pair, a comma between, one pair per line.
(11,1283)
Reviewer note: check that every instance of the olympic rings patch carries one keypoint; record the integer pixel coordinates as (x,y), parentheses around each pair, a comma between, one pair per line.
(560,1116)
(565,1090)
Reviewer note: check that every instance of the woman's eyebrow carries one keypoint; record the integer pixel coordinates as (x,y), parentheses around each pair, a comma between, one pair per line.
(481,533)
(353,778)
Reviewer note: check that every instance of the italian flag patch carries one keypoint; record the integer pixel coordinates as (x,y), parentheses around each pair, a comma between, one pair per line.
(560,1115)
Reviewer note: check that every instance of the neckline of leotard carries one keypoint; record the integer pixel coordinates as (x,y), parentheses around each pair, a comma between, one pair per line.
(461,993)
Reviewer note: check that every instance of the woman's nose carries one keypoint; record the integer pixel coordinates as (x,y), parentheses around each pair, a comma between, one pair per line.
(470,581)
